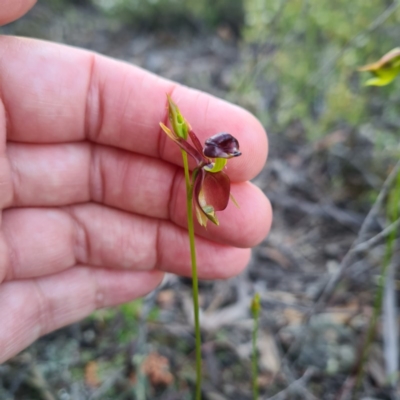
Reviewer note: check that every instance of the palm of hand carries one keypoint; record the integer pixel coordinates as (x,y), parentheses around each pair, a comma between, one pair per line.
(93,203)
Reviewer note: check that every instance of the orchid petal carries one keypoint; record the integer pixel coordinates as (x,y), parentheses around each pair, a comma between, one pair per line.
(196,141)
(216,188)
(183,144)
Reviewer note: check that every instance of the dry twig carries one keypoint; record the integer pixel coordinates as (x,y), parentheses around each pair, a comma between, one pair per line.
(346,218)
(365,227)
(296,387)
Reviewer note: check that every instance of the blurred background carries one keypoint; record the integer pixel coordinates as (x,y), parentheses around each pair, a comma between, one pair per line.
(333,142)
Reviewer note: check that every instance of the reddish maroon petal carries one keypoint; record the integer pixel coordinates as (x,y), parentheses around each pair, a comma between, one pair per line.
(196,141)
(189,149)
(216,189)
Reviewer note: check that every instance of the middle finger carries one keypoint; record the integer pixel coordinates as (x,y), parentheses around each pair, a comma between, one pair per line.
(65,174)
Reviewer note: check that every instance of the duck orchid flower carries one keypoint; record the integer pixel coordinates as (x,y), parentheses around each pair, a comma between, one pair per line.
(210,186)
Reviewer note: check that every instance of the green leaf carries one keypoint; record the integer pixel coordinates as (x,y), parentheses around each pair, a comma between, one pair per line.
(385,69)
(378,81)
(383,77)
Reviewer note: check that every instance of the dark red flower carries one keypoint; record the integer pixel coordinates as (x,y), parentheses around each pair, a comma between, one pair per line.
(211,185)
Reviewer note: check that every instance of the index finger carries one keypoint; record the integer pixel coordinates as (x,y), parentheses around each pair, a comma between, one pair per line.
(13,9)
(54,93)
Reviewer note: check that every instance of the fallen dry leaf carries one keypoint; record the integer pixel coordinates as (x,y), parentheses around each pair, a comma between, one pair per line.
(166,298)
(293,317)
(91,374)
(156,368)
(269,355)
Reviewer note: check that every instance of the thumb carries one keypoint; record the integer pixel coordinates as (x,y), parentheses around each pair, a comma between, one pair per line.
(10,10)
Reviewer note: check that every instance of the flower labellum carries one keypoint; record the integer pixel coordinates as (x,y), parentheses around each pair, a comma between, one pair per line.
(221,145)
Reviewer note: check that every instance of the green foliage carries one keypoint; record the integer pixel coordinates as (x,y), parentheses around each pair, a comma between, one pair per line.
(61,5)
(384,70)
(130,313)
(305,60)
(174,14)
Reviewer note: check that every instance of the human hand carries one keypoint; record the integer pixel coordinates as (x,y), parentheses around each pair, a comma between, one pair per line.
(92,193)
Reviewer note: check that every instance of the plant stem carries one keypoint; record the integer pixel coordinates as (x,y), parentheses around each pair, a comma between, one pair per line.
(255,312)
(195,284)
(254,363)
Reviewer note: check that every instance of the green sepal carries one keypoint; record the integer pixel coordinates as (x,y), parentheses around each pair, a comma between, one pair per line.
(211,215)
(178,122)
(205,214)
(234,200)
(168,131)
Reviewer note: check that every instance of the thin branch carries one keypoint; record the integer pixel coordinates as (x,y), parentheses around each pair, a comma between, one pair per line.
(38,381)
(349,257)
(368,244)
(296,387)
(347,218)
(373,212)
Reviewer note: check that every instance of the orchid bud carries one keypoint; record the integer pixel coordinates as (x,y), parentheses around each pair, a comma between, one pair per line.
(255,306)
(178,122)
(221,145)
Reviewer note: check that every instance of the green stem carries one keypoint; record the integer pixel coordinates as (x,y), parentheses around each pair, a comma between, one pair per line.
(195,284)
(254,363)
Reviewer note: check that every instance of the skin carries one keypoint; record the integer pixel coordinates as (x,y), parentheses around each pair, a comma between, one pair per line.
(92,191)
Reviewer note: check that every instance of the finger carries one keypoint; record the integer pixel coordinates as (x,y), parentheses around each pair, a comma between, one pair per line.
(14,9)
(59,175)
(45,241)
(32,308)
(78,95)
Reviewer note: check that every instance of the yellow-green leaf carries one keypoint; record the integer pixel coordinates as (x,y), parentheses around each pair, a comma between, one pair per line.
(385,69)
